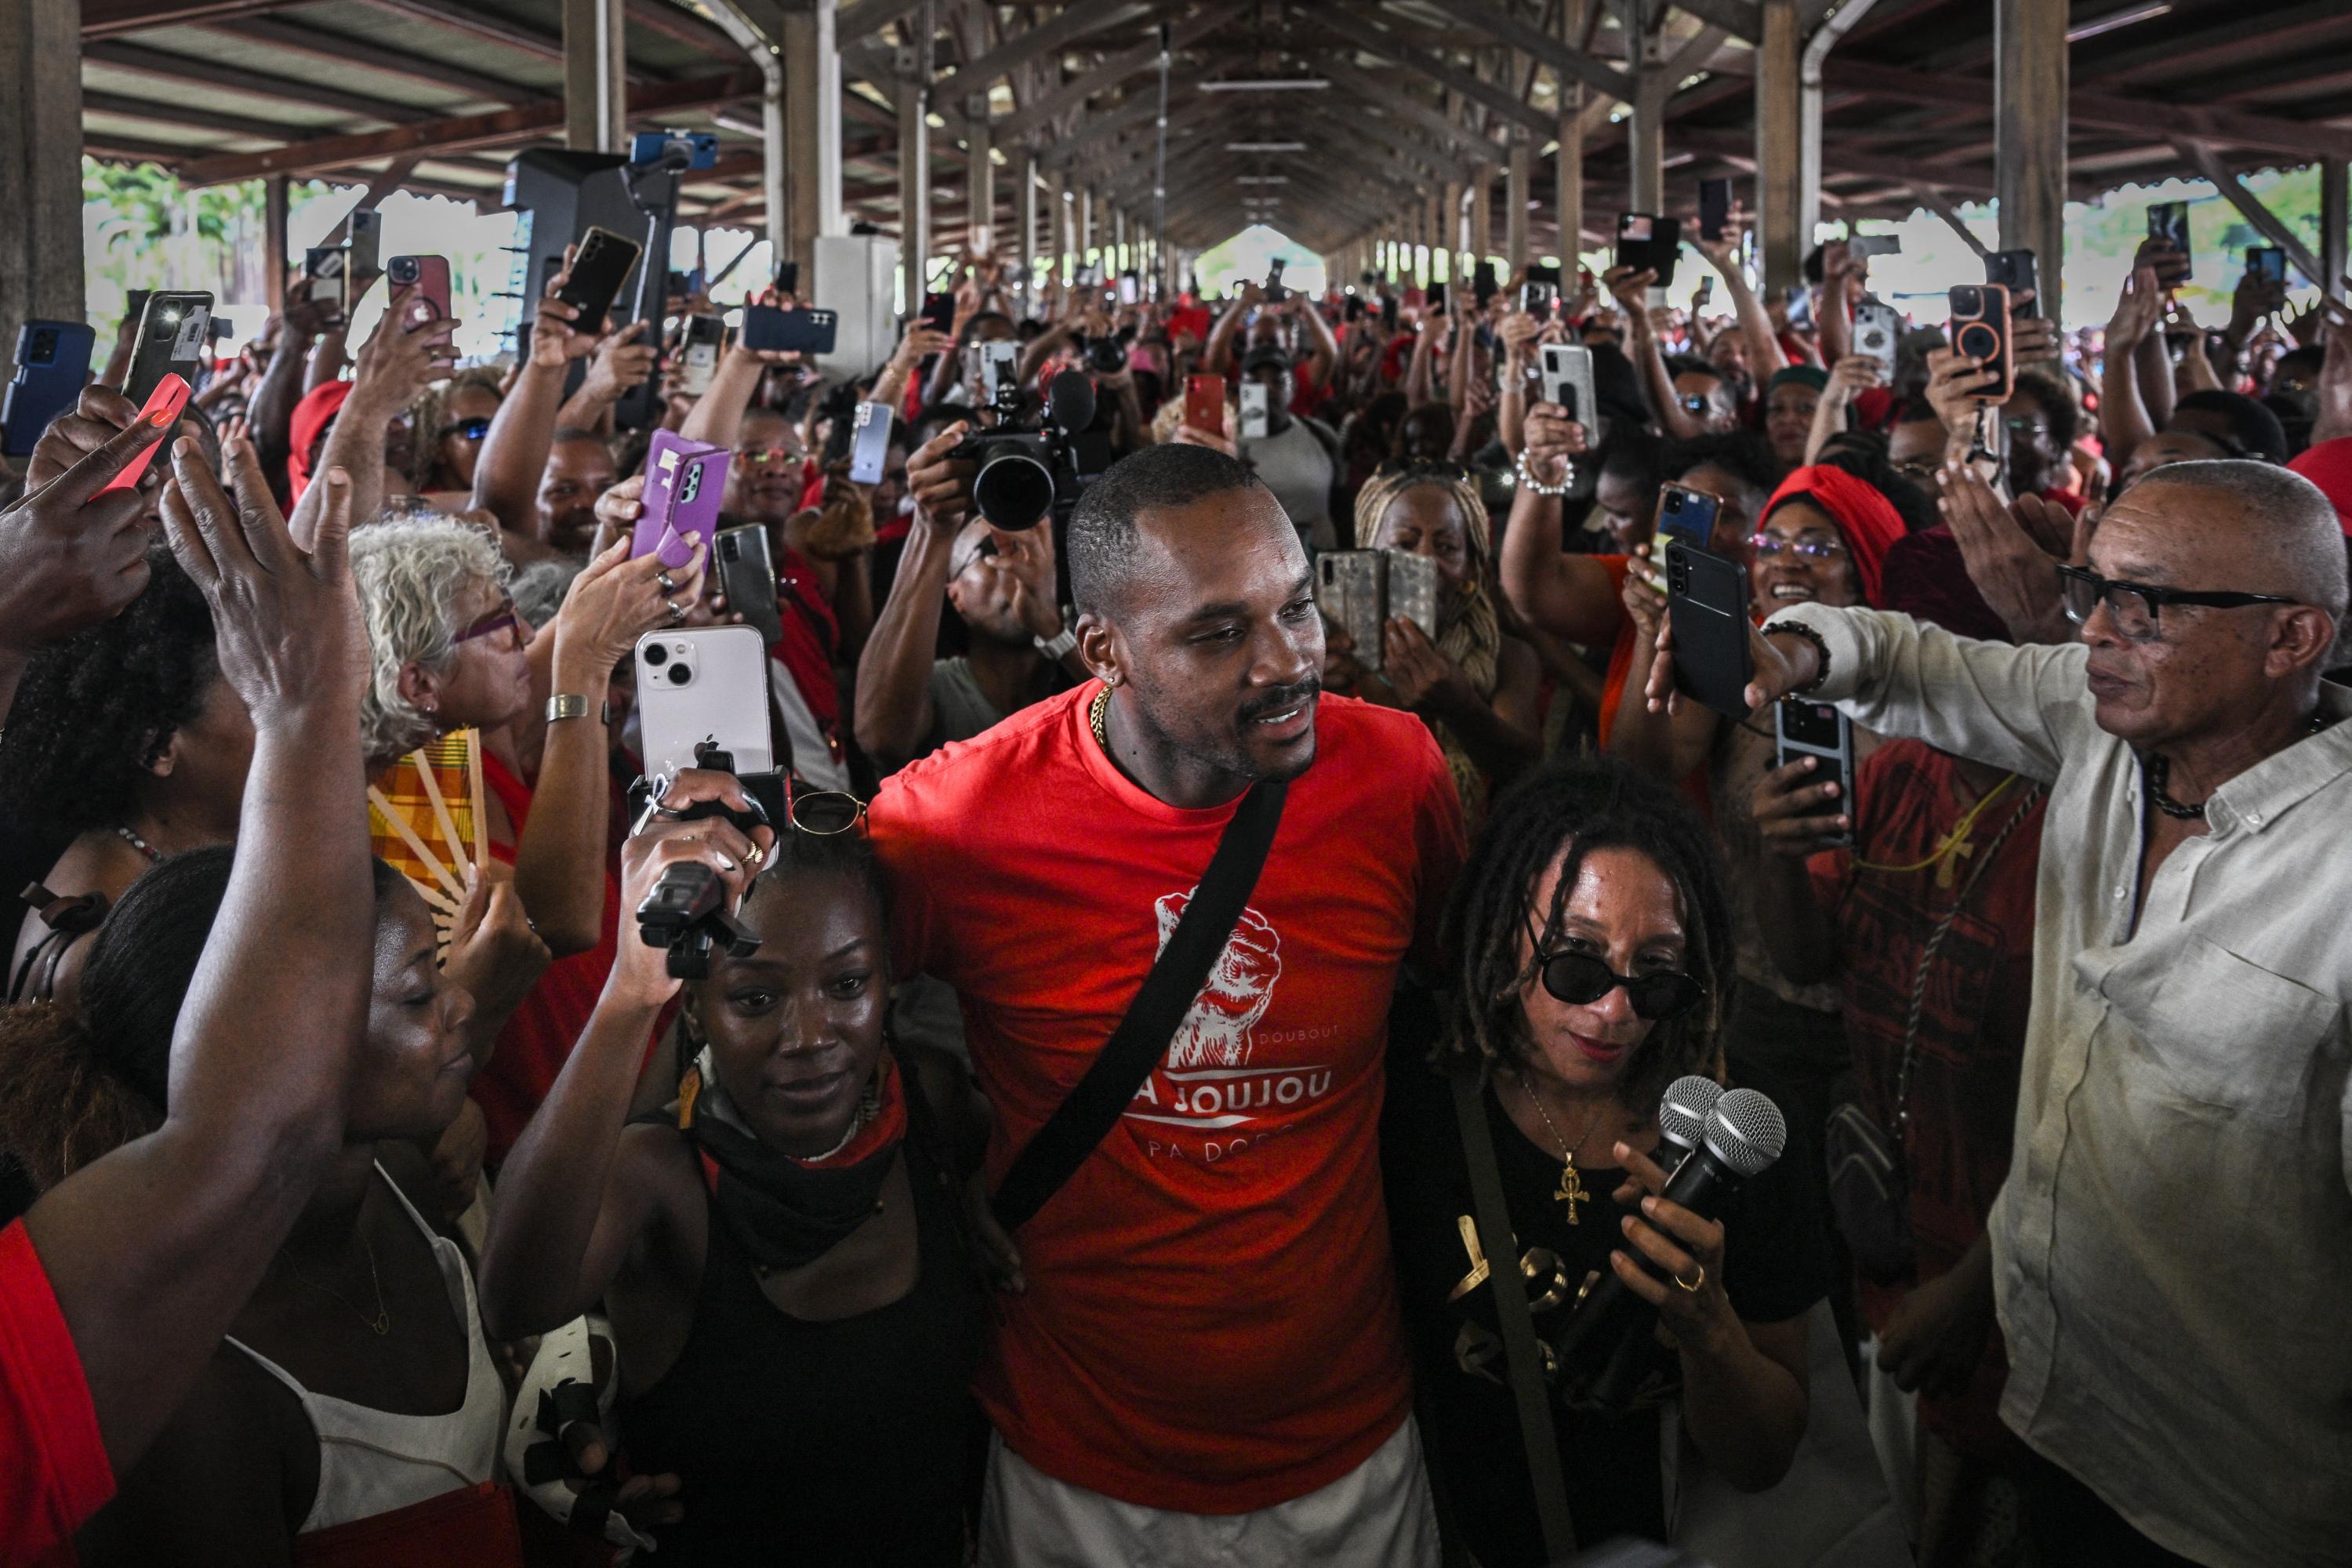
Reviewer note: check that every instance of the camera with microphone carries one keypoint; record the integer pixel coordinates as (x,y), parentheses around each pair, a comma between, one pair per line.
(1034,468)
(687,910)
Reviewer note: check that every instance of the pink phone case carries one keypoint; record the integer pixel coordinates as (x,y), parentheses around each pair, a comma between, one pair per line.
(685,484)
(170,397)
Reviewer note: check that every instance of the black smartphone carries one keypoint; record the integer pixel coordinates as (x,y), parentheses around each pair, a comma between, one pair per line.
(1803,729)
(366,249)
(599,268)
(765,327)
(1437,295)
(938,312)
(175,333)
(1353,310)
(1706,602)
(2015,270)
(1273,288)
(788,278)
(1645,241)
(1687,515)
(1979,329)
(323,274)
(1714,208)
(1389,313)
(2169,222)
(1482,283)
(2266,263)
(747,576)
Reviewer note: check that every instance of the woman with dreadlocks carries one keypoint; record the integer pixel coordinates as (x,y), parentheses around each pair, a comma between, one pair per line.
(1592,950)
(1476,686)
(795,1318)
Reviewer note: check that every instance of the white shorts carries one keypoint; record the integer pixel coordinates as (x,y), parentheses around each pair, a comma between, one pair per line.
(1378,1515)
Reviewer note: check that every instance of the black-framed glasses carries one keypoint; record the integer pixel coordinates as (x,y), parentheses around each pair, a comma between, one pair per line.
(471,429)
(505,618)
(822,813)
(2135,607)
(1581,979)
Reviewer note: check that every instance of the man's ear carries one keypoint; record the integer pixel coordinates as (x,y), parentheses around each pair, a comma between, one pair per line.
(2304,636)
(1100,647)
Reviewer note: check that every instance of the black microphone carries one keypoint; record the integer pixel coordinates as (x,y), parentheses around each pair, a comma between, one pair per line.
(1601,1346)
(1683,1111)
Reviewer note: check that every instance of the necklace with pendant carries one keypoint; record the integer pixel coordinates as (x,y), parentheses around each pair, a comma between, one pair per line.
(1571,1186)
(2157,768)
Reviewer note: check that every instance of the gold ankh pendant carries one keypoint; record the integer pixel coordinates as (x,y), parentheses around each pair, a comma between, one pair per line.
(1571,1192)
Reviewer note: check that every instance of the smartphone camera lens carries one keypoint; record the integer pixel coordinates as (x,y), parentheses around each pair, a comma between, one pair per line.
(682,675)
(655,656)
(45,346)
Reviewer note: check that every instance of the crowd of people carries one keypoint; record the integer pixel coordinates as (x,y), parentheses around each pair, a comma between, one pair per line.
(1192,1066)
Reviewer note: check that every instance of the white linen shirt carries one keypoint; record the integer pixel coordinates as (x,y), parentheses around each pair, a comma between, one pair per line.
(2172,1250)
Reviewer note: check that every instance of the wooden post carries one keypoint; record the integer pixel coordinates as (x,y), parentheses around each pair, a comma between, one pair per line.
(1567,196)
(980,172)
(811,142)
(1057,225)
(275,193)
(1520,176)
(1086,248)
(1482,214)
(595,76)
(1028,225)
(40,166)
(1783,233)
(1645,144)
(2333,239)
(915,186)
(2029,137)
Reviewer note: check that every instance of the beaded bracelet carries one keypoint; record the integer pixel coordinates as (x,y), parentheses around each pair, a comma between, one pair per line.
(1821,649)
(1529,482)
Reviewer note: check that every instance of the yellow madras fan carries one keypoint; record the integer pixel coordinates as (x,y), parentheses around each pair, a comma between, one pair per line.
(424,819)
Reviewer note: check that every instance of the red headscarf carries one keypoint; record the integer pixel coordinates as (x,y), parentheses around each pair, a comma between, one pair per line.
(2330,466)
(311,415)
(1866,519)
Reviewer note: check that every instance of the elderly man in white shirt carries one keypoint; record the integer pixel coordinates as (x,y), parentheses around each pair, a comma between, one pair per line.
(2173,1245)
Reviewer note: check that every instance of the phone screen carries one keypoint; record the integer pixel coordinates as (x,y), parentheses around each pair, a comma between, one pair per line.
(2267,262)
(938,312)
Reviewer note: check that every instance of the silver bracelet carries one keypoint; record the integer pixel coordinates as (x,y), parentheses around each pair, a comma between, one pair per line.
(1528,482)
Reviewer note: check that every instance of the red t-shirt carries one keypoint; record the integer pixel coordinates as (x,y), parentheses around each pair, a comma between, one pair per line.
(1210,1323)
(54,1472)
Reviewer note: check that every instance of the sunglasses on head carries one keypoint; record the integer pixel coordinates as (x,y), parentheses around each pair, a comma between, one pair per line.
(1581,979)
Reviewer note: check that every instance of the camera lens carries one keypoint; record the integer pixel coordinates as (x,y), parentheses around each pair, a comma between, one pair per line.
(1015,490)
(681,674)
(655,656)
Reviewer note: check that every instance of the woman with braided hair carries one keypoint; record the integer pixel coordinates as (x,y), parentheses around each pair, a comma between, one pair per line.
(1590,943)
(1474,686)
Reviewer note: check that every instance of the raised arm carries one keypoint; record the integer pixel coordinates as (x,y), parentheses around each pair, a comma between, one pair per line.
(718,417)
(894,676)
(1765,356)
(154,1249)
(566,1215)
(1322,349)
(1570,596)
(1848,377)
(514,454)
(1229,322)
(270,413)
(1632,291)
(398,361)
(622,361)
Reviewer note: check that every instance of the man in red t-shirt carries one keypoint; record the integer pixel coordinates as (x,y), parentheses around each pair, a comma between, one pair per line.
(1209,1328)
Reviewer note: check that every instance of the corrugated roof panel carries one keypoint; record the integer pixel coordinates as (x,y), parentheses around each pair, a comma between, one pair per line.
(244,54)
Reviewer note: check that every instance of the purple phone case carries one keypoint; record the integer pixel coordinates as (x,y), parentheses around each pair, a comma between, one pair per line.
(685,482)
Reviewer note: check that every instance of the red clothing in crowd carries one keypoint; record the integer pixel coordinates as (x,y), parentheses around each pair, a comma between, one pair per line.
(812,639)
(1971,1041)
(54,1472)
(1211,1321)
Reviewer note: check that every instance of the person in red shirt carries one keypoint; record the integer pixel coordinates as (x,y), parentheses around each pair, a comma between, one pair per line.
(117,1285)
(1209,1332)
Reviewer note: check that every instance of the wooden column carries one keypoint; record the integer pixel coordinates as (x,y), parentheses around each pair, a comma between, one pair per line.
(1482,214)
(915,187)
(1057,225)
(1568,173)
(811,142)
(595,76)
(40,166)
(1085,247)
(1520,176)
(1783,234)
(2029,136)
(2333,238)
(1454,236)
(1646,141)
(980,172)
(1027,223)
(274,209)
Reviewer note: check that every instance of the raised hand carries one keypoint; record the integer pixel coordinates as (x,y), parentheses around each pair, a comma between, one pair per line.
(73,553)
(2012,552)
(614,601)
(1798,814)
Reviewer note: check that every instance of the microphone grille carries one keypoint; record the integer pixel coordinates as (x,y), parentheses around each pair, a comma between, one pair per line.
(1746,1132)
(1683,1110)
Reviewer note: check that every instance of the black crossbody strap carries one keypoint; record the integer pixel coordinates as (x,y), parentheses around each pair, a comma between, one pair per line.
(1522,1360)
(1093,1107)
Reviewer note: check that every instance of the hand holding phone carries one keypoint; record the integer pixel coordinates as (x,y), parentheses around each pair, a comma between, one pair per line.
(162,412)
(1204,404)
(1981,329)
(599,266)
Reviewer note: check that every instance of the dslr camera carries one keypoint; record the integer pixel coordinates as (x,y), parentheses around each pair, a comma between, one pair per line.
(1035,468)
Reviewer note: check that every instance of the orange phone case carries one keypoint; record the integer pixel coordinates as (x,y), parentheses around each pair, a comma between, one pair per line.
(1204,403)
(1994,317)
(170,397)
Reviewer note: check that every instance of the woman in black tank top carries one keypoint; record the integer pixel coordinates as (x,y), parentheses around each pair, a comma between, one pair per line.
(796,1311)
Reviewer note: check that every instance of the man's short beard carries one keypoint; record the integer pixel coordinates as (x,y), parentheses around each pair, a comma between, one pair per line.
(1232,758)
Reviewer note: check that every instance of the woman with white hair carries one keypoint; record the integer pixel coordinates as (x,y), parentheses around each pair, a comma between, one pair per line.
(450,651)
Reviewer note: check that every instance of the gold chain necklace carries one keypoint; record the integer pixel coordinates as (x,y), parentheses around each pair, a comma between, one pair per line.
(1571,1187)
(380,1323)
(1095,717)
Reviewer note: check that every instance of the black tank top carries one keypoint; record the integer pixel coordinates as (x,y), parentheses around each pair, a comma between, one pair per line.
(822,1445)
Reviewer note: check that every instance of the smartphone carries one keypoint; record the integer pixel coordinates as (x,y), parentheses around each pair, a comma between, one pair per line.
(1981,329)
(1348,592)
(747,576)
(1130,288)
(997,366)
(1706,602)
(1256,418)
(1273,288)
(1647,241)
(2266,263)
(1863,247)
(697,358)
(938,312)
(1714,208)
(869,449)
(2016,271)
(429,275)
(1436,296)
(1803,729)
(365,249)
(1204,403)
(1567,373)
(2169,222)
(322,271)
(1798,301)
(52,365)
(1877,331)
(1538,298)
(176,332)
(1409,588)
(1353,309)
(706,685)
(684,482)
(1389,313)
(788,278)
(1704,293)
(805,331)
(1482,283)
(170,397)
(1687,515)
(599,266)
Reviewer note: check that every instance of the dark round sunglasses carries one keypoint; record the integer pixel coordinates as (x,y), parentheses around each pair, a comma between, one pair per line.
(1581,979)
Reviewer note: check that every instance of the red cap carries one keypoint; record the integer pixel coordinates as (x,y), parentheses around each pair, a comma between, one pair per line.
(2330,466)
(311,417)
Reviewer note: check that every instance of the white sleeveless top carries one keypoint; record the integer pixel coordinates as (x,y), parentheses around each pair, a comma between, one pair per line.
(372,1461)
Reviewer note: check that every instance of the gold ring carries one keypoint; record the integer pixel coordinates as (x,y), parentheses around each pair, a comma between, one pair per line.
(1693,1285)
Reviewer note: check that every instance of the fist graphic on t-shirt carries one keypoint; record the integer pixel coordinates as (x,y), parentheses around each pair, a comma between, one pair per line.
(1216,1028)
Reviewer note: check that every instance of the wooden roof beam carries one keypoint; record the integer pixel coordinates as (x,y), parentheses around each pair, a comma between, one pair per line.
(1116,69)
(213,73)
(296,37)
(1504,28)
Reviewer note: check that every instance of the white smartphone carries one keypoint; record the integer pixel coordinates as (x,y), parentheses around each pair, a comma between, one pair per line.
(1256,418)
(710,684)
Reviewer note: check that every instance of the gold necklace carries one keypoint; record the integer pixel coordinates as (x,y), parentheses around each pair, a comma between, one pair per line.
(380,1323)
(1571,1187)
(1095,716)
